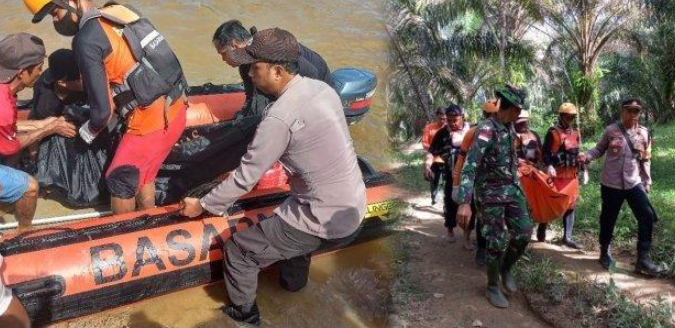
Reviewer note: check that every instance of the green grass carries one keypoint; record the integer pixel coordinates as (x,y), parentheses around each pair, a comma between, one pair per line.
(592,304)
(409,174)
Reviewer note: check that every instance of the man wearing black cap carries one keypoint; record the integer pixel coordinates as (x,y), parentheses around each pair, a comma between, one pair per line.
(306,130)
(446,144)
(21,59)
(232,35)
(58,86)
(626,176)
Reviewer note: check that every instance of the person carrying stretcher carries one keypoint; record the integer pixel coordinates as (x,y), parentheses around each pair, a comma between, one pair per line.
(561,147)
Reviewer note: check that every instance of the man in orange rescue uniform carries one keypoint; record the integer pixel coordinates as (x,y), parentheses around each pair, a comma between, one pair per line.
(561,148)
(128,69)
(437,166)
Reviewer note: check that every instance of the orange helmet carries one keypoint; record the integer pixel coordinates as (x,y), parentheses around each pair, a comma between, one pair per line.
(42,8)
(491,106)
(568,108)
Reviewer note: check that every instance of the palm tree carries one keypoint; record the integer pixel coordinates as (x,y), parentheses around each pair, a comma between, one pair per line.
(508,21)
(441,55)
(645,69)
(583,30)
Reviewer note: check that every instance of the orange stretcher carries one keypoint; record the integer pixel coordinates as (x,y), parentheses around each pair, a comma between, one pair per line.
(547,202)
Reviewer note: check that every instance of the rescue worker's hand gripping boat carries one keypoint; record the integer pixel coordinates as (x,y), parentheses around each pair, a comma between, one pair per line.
(81,268)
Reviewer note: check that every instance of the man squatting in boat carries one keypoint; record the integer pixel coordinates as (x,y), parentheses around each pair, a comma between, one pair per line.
(305,129)
(21,58)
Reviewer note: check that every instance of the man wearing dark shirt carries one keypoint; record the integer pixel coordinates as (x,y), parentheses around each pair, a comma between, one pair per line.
(58,86)
(446,144)
(232,35)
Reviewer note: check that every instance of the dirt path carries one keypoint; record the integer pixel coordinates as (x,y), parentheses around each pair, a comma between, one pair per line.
(451,284)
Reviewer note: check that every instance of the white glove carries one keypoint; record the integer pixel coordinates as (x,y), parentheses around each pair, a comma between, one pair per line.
(585,178)
(550,170)
(87,135)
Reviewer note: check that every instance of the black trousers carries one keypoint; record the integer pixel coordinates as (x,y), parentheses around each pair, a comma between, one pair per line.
(438,170)
(612,200)
(450,210)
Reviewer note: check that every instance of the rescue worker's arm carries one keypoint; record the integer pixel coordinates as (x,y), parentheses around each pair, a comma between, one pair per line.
(547,154)
(426,138)
(91,48)
(270,142)
(435,149)
(428,161)
(540,149)
(463,194)
(474,157)
(598,151)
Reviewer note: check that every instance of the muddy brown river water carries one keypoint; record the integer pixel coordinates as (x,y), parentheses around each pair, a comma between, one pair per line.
(347,288)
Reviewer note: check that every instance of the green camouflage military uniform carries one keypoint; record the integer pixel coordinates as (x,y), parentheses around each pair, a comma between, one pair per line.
(491,172)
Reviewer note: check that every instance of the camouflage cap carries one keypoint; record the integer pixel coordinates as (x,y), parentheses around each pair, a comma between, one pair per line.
(513,95)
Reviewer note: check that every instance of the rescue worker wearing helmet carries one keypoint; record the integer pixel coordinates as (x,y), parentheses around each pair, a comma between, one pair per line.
(626,176)
(561,148)
(446,144)
(123,58)
(528,143)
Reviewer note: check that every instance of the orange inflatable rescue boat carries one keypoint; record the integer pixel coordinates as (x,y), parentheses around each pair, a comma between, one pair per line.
(87,267)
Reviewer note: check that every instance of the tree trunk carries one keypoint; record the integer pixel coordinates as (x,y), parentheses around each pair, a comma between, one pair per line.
(502,43)
(586,97)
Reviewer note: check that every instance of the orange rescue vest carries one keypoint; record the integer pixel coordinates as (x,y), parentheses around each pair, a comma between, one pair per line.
(118,63)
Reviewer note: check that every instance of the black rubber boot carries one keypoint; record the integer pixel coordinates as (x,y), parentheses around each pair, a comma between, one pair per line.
(481,256)
(568,224)
(541,232)
(247,313)
(606,259)
(512,255)
(645,266)
(294,272)
(494,293)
